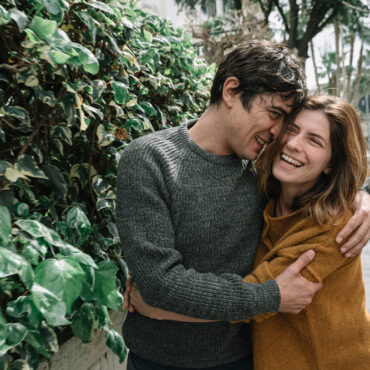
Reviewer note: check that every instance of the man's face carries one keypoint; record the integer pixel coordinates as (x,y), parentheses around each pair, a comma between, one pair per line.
(249,131)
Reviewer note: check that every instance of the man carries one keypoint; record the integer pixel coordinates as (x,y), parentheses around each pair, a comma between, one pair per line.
(190,218)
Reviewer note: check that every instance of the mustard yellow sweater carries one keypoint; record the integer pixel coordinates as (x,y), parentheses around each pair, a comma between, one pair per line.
(331,333)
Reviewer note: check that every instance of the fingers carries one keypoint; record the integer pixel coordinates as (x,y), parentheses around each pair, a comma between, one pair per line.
(354,222)
(354,247)
(126,297)
(303,260)
(358,240)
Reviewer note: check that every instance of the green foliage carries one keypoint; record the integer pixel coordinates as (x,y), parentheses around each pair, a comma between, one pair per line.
(78,81)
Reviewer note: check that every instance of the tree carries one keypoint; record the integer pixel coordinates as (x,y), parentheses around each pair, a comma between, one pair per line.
(205,5)
(222,33)
(303,20)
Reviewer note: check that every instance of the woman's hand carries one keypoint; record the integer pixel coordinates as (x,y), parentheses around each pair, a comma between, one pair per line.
(134,302)
(360,222)
(126,297)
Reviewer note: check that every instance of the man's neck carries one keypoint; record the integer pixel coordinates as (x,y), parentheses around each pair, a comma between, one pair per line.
(208,132)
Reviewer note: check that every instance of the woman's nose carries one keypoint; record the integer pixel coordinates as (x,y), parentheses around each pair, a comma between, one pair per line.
(294,142)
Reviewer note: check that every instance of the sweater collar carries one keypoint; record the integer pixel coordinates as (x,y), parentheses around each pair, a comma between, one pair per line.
(227,160)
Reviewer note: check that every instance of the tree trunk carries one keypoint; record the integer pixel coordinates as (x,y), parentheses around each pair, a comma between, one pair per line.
(337,57)
(358,76)
(342,93)
(348,86)
(238,4)
(315,67)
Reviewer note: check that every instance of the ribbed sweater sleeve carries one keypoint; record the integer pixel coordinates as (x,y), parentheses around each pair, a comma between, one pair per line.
(145,219)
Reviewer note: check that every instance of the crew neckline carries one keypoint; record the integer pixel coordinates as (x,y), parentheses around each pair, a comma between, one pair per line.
(226,160)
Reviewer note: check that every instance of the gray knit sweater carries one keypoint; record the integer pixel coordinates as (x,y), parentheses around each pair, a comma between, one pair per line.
(190,223)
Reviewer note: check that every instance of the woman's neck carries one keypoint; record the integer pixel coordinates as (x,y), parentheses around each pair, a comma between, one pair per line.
(283,204)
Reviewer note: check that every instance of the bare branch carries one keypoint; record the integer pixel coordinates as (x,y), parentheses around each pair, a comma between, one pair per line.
(14,68)
(285,21)
(356,7)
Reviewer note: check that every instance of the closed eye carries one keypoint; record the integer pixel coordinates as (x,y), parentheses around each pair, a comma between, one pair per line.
(291,129)
(316,141)
(275,115)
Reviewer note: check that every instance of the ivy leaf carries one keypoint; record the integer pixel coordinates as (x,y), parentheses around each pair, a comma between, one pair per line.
(59,57)
(24,308)
(31,254)
(101,6)
(63,133)
(28,167)
(120,92)
(19,113)
(148,108)
(105,284)
(88,284)
(77,219)
(115,342)
(100,185)
(5,224)
(104,137)
(43,28)
(3,166)
(83,258)
(39,230)
(52,7)
(12,263)
(43,340)
(62,277)
(51,307)
(15,333)
(12,174)
(56,180)
(19,17)
(82,322)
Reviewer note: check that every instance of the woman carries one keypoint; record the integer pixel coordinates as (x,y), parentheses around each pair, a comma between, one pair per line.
(311,175)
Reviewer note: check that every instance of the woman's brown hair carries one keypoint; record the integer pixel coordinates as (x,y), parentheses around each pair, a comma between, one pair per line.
(334,192)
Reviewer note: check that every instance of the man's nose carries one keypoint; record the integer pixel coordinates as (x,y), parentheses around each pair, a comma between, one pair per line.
(276,129)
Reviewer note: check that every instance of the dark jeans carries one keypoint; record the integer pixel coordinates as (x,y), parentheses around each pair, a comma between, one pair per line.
(136,363)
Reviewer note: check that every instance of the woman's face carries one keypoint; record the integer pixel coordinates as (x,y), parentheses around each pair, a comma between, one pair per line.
(305,152)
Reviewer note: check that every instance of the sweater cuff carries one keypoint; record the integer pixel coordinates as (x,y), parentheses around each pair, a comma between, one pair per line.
(273,298)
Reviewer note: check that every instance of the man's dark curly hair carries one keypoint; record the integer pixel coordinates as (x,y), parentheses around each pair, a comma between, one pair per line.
(260,67)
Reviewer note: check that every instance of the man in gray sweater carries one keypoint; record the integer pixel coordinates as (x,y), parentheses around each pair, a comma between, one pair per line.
(190,218)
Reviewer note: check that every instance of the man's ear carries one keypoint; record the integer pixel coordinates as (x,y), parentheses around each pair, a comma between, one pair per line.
(228,92)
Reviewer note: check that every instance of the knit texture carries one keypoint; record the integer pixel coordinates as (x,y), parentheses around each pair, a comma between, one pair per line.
(333,332)
(190,223)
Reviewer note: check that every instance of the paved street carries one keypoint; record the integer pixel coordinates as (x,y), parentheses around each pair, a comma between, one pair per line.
(366,272)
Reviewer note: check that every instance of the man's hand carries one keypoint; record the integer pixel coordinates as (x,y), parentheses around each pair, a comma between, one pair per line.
(360,222)
(296,291)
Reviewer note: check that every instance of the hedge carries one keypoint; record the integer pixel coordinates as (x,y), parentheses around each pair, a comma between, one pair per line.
(78,81)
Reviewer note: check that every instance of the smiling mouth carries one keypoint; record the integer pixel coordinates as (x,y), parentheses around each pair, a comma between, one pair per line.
(262,142)
(291,162)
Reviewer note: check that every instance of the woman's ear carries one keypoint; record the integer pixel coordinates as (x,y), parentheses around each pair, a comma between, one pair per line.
(228,91)
(327,170)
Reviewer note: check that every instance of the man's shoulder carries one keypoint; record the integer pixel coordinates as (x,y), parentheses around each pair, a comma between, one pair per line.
(156,140)
(162,148)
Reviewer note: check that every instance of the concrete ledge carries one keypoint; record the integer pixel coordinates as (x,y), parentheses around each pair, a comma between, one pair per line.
(75,355)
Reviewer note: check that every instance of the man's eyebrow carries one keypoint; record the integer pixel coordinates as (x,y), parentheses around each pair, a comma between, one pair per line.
(283,111)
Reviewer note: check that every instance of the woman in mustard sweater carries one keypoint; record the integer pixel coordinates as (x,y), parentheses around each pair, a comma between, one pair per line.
(310,175)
